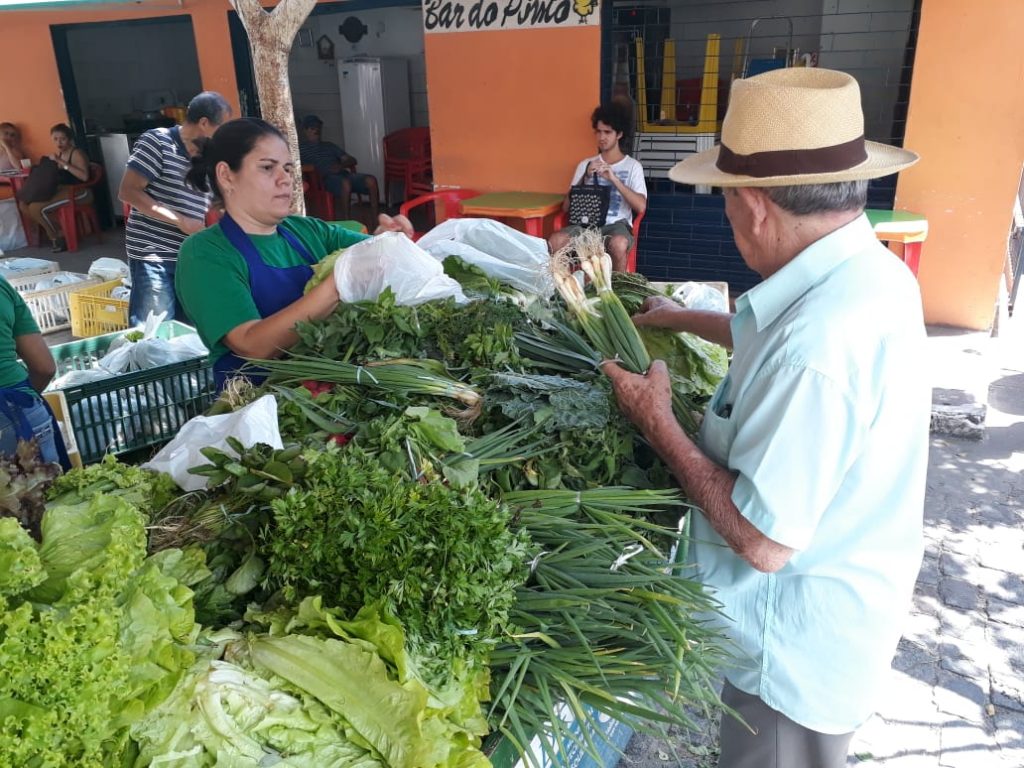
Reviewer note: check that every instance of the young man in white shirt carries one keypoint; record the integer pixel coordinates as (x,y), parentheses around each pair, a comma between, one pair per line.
(610,167)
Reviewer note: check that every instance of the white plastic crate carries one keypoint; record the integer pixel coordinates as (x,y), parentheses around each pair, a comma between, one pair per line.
(10,269)
(49,306)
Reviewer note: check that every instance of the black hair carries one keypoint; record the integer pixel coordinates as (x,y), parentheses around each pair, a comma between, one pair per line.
(230,144)
(208,104)
(612,115)
(65,129)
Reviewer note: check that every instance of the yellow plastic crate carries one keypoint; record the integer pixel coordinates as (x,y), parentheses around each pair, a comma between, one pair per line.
(94,312)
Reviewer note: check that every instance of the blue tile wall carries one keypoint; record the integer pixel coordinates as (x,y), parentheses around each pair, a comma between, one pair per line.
(685,235)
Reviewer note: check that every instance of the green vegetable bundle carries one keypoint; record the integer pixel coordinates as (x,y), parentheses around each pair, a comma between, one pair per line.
(92,634)
(444,561)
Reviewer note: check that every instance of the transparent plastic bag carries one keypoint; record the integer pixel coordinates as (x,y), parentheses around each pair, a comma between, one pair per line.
(124,355)
(107,268)
(393,260)
(503,253)
(700,296)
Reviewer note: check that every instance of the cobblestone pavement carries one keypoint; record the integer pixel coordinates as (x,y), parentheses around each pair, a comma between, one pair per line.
(955,697)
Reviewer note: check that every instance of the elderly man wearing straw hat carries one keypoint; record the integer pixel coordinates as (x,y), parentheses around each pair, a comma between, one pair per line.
(810,464)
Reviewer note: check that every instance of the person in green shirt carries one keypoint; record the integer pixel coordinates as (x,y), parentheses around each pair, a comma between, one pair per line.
(242,280)
(23,413)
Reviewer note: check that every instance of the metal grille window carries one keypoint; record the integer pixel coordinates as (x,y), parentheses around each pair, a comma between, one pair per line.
(675,59)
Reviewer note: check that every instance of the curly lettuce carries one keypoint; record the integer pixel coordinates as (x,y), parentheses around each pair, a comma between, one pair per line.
(92,637)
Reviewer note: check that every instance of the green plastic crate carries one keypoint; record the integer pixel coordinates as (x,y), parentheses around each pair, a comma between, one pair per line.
(133,410)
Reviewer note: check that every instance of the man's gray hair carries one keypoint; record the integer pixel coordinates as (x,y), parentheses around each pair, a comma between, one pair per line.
(208,104)
(808,199)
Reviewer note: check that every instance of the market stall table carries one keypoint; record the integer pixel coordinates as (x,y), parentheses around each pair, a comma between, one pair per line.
(531,207)
(905,227)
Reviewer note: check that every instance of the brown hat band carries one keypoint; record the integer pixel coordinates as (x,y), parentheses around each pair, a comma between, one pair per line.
(789,162)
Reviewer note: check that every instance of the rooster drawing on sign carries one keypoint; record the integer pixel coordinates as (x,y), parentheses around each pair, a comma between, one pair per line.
(584,8)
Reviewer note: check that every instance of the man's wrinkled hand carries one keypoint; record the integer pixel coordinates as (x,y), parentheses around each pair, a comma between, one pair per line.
(644,400)
(657,312)
(398,223)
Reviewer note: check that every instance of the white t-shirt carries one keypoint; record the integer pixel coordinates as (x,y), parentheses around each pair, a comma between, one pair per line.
(630,173)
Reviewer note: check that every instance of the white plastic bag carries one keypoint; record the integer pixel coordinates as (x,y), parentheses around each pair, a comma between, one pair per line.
(392,259)
(149,351)
(12,236)
(107,268)
(503,253)
(255,423)
(700,296)
(55,279)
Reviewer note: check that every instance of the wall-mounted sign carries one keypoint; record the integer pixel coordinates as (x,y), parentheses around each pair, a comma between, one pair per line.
(481,15)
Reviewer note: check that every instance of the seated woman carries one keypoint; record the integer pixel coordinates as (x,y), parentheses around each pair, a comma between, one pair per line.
(242,280)
(73,168)
(23,413)
(11,154)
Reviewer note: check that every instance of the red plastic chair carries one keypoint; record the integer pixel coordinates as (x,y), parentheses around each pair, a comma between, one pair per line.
(319,200)
(77,217)
(406,156)
(445,205)
(561,221)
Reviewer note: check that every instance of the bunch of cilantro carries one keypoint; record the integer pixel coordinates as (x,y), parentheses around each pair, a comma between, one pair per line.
(441,560)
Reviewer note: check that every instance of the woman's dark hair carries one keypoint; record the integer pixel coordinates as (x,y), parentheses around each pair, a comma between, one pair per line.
(63,128)
(229,144)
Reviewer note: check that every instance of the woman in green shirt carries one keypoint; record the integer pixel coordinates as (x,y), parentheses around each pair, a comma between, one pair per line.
(23,413)
(241,281)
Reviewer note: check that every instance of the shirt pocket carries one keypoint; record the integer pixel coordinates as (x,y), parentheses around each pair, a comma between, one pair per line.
(718,429)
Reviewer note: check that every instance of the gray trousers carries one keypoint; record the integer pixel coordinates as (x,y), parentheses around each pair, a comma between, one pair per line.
(777,742)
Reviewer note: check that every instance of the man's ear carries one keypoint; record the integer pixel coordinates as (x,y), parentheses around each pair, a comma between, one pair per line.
(756,202)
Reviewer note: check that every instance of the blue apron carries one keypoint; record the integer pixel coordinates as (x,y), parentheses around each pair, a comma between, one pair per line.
(273,288)
(13,401)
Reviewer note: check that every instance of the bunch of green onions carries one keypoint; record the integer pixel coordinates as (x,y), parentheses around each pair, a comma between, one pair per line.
(604,319)
(410,377)
(607,623)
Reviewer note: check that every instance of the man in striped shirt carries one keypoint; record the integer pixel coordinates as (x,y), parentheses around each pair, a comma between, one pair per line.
(165,210)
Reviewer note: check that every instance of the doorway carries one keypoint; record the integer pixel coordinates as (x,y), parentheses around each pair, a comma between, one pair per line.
(119,79)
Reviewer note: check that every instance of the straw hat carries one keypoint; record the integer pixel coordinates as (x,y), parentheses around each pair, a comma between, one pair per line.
(792,126)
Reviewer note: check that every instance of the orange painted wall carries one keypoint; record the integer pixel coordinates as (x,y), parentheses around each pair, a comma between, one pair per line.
(966,119)
(30,93)
(510,109)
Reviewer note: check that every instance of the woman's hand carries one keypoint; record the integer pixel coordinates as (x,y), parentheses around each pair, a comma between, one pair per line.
(398,223)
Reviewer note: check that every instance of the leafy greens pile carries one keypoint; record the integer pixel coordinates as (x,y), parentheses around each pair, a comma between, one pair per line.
(461,535)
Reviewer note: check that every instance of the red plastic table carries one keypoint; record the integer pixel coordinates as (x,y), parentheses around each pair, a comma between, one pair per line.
(532,207)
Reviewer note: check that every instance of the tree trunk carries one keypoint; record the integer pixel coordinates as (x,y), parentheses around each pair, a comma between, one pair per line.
(270,39)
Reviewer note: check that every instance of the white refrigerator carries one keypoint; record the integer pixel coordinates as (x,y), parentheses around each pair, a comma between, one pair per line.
(374,103)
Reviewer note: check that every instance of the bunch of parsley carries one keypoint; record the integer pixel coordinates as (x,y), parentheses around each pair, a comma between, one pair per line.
(443,561)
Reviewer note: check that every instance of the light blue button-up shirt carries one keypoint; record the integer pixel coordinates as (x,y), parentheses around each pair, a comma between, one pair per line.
(824,419)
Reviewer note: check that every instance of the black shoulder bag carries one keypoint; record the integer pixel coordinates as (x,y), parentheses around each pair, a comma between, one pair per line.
(588,204)
(41,184)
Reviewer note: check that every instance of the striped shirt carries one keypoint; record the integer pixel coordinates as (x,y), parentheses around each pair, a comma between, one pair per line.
(322,155)
(160,156)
